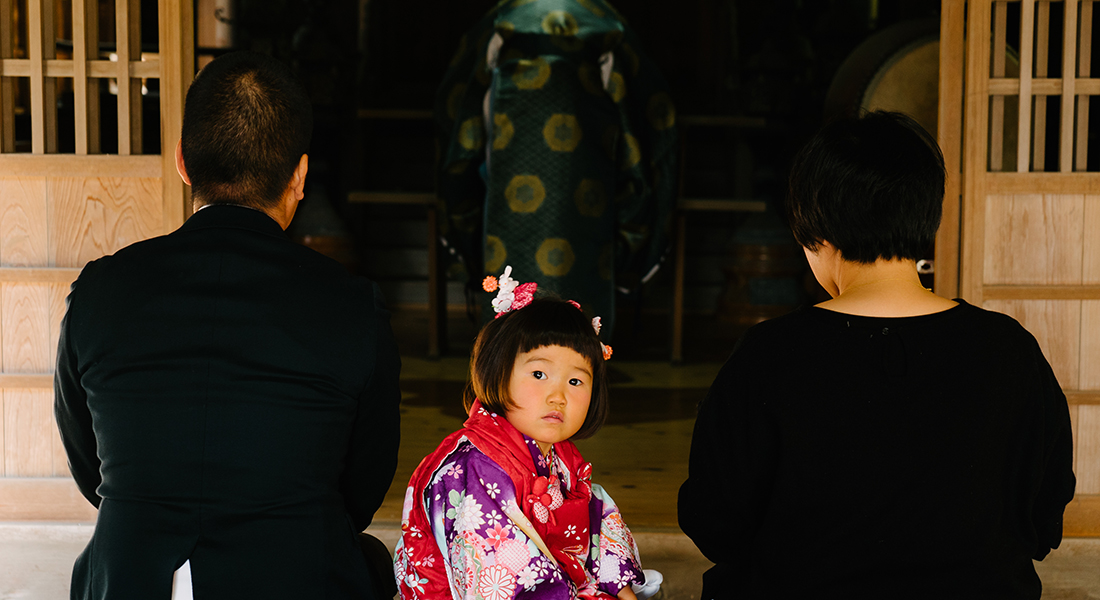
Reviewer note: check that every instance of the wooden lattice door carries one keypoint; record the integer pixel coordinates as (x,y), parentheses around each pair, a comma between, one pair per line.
(59,211)
(1021,232)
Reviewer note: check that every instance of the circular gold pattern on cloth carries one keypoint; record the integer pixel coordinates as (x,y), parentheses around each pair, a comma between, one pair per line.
(589,75)
(661,112)
(495,254)
(525,193)
(531,74)
(563,29)
(605,262)
(503,131)
(555,257)
(519,3)
(472,134)
(454,99)
(590,198)
(616,86)
(591,6)
(633,152)
(559,22)
(562,132)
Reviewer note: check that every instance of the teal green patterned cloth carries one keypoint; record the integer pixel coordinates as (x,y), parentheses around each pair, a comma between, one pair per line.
(572,182)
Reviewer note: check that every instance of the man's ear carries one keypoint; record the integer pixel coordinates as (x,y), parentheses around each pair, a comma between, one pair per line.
(298,183)
(180,167)
(297,191)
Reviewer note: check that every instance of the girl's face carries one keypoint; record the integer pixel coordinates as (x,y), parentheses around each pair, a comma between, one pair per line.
(551,387)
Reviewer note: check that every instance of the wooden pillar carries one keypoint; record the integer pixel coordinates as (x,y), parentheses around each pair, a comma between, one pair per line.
(949,135)
(128,48)
(41,46)
(7,90)
(177,69)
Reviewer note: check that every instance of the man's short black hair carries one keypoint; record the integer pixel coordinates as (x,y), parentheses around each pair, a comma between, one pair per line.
(871,186)
(246,124)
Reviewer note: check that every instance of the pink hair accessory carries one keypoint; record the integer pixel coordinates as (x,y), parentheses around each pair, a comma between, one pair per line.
(510,294)
(513,296)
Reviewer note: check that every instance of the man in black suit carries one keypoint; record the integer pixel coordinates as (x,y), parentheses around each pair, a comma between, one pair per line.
(227,397)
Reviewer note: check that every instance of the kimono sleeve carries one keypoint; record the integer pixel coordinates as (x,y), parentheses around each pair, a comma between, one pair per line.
(614,559)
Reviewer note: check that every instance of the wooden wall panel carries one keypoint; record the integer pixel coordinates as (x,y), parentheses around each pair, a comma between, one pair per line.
(60,459)
(28,425)
(1056,325)
(58,293)
(1090,345)
(1090,262)
(1033,239)
(93,217)
(25,329)
(23,240)
(1087,456)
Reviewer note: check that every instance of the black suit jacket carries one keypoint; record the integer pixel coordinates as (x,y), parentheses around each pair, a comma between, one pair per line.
(229,397)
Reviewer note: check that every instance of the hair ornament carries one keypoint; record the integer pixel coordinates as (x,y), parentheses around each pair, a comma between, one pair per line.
(596,325)
(510,294)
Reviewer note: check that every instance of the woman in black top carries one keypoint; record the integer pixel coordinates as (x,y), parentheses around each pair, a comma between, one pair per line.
(886,443)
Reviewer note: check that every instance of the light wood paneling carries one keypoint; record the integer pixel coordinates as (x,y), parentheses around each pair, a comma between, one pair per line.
(43,499)
(60,458)
(58,294)
(1073,415)
(3,441)
(42,381)
(1033,239)
(23,222)
(1041,292)
(1087,458)
(1082,518)
(103,166)
(28,425)
(93,217)
(1056,325)
(1090,345)
(1041,183)
(25,310)
(1090,267)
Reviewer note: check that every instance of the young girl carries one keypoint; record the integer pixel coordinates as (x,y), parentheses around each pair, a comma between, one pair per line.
(505,506)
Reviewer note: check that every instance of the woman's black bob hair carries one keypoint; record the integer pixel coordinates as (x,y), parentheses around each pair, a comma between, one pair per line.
(543,322)
(872,186)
